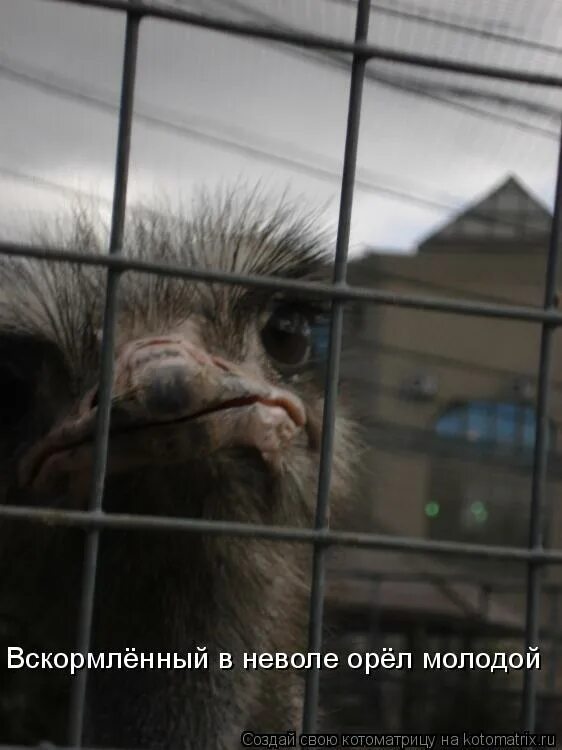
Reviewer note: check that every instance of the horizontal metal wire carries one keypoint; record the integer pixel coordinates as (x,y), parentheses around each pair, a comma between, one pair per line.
(341,292)
(99,520)
(316,41)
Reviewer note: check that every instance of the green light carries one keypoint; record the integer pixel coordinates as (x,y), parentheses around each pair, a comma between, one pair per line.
(432,509)
(479,511)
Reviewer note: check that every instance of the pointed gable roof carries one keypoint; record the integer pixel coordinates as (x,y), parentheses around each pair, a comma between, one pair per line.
(508,212)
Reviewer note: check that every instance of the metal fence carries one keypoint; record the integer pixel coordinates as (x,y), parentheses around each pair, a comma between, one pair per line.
(339,292)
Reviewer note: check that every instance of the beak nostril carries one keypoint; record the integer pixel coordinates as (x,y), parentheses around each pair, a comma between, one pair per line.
(168,390)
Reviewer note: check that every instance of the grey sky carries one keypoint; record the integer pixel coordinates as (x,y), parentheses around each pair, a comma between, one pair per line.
(275,100)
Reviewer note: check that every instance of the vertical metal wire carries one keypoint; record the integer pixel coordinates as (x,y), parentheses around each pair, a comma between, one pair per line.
(540,461)
(316,605)
(78,698)
(552,666)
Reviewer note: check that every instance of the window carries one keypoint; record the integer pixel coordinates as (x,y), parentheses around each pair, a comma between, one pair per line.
(500,423)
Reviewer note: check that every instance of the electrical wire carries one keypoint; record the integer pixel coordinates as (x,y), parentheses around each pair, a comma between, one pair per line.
(462,28)
(248,143)
(411,86)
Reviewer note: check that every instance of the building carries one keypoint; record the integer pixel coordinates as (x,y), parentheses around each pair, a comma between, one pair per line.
(448,409)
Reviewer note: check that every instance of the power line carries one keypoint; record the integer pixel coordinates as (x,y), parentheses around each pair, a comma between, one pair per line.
(310,163)
(461,28)
(413,86)
(435,94)
(469,92)
(44,183)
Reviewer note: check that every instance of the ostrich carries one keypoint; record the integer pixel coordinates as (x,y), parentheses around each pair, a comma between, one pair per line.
(216,413)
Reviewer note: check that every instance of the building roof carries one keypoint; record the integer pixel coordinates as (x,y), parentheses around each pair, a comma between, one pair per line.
(508,212)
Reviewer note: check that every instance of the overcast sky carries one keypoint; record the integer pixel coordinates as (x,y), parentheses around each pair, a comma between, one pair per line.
(214,108)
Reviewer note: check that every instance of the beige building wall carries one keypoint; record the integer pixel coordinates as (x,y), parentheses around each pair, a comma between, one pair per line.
(464,358)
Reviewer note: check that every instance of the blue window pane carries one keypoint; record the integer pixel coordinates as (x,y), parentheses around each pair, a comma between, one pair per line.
(508,418)
(452,424)
(502,423)
(478,422)
(529,428)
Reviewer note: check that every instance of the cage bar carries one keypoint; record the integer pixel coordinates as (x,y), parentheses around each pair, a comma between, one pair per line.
(540,458)
(317,591)
(101,441)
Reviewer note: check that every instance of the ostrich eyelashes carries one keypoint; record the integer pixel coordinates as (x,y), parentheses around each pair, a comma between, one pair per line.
(294,335)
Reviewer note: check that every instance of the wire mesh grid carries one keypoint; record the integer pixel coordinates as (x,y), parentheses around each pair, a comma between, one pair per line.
(94,520)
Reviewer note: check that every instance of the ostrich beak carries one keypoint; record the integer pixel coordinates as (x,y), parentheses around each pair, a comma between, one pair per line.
(171,402)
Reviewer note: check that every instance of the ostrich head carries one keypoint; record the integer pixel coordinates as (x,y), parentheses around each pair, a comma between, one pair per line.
(216,412)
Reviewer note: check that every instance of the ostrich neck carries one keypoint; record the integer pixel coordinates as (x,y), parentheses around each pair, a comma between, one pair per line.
(163,595)
(168,593)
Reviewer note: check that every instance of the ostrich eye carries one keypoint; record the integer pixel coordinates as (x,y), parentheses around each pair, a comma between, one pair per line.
(287,336)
